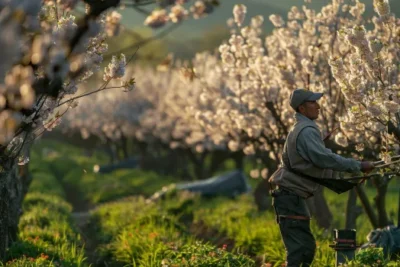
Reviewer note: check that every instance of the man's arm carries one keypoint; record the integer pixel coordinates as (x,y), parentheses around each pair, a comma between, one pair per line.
(311,147)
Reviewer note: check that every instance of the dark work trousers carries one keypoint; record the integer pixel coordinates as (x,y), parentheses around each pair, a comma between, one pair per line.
(296,233)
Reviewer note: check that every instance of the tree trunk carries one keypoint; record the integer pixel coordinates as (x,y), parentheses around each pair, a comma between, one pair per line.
(116,149)
(238,158)
(367,206)
(4,215)
(199,165)
(381,189)
(320,209)
(398,211)
(217,158)
(124,146)
(14,184)
(172,161)
(183,165)
(109,151)
(352,210)
(262,197)
(142,147)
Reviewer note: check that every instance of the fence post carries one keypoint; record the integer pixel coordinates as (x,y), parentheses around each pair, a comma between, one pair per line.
(344,243)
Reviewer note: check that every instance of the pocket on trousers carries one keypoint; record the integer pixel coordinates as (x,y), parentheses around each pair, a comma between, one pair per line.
(288,228)
(292,223)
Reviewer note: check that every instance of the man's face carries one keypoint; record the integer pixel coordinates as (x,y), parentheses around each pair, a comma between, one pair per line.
(310,109)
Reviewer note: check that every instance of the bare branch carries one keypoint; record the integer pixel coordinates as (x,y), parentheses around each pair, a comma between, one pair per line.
(139,3)
(144,41)
(102,88)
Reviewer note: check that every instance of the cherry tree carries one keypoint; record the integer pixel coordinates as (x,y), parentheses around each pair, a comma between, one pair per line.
(368,79)
(173,121)
(158,114)
(45,53)
(261,78)
(300,60)
(109,117)
(252,109)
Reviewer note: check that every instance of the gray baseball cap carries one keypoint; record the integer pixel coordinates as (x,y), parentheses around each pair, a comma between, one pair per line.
(299,96)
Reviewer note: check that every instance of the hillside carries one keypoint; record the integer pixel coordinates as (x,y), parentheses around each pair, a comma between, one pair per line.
(195,35)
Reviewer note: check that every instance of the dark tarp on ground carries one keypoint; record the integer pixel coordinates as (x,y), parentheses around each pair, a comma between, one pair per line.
(229,184)
(130,163)
(387,238)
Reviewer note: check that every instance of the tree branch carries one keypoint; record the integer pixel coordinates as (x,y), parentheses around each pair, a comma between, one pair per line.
(144,41)
(270,106)
(392,129)
(138,4)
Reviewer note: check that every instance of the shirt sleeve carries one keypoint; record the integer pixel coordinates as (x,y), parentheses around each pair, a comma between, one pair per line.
(310,146)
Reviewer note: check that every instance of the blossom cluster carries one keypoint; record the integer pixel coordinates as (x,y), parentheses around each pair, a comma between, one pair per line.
(237,99)
(159,109)
(110,114)
(177,13)
(251,107)
(368,77)
(45,56)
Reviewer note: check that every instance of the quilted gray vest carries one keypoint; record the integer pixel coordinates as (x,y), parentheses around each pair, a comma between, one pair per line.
(291,159)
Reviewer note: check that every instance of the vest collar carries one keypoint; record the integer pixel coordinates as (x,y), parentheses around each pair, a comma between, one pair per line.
(300,117)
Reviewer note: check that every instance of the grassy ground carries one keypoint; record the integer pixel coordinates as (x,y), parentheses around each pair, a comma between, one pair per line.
(47,234)
(122,228)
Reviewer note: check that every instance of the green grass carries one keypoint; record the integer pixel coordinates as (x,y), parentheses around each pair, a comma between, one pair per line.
(254,233)
(135,232)
(100,188)
(47,236)
(70,166)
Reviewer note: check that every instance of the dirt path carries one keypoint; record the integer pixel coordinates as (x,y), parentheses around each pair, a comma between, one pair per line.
(82,222)
(81,215)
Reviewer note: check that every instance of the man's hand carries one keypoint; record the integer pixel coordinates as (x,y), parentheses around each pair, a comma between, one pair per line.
(367,166)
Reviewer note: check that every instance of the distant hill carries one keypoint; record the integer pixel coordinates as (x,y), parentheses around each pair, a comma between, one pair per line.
(193,28)
(190,35)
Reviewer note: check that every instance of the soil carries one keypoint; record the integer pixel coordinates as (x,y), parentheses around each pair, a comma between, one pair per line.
(81,215)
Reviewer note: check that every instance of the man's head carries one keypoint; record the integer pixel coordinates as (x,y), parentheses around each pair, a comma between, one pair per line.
(305,102)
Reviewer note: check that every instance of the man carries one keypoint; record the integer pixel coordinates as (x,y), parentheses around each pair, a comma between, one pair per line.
(304,155)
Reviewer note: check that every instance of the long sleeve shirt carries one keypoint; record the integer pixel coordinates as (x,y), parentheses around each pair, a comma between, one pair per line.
(311,147)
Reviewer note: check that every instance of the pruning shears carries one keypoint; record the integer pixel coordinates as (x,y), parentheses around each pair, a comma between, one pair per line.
(381,163)
(378,165)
